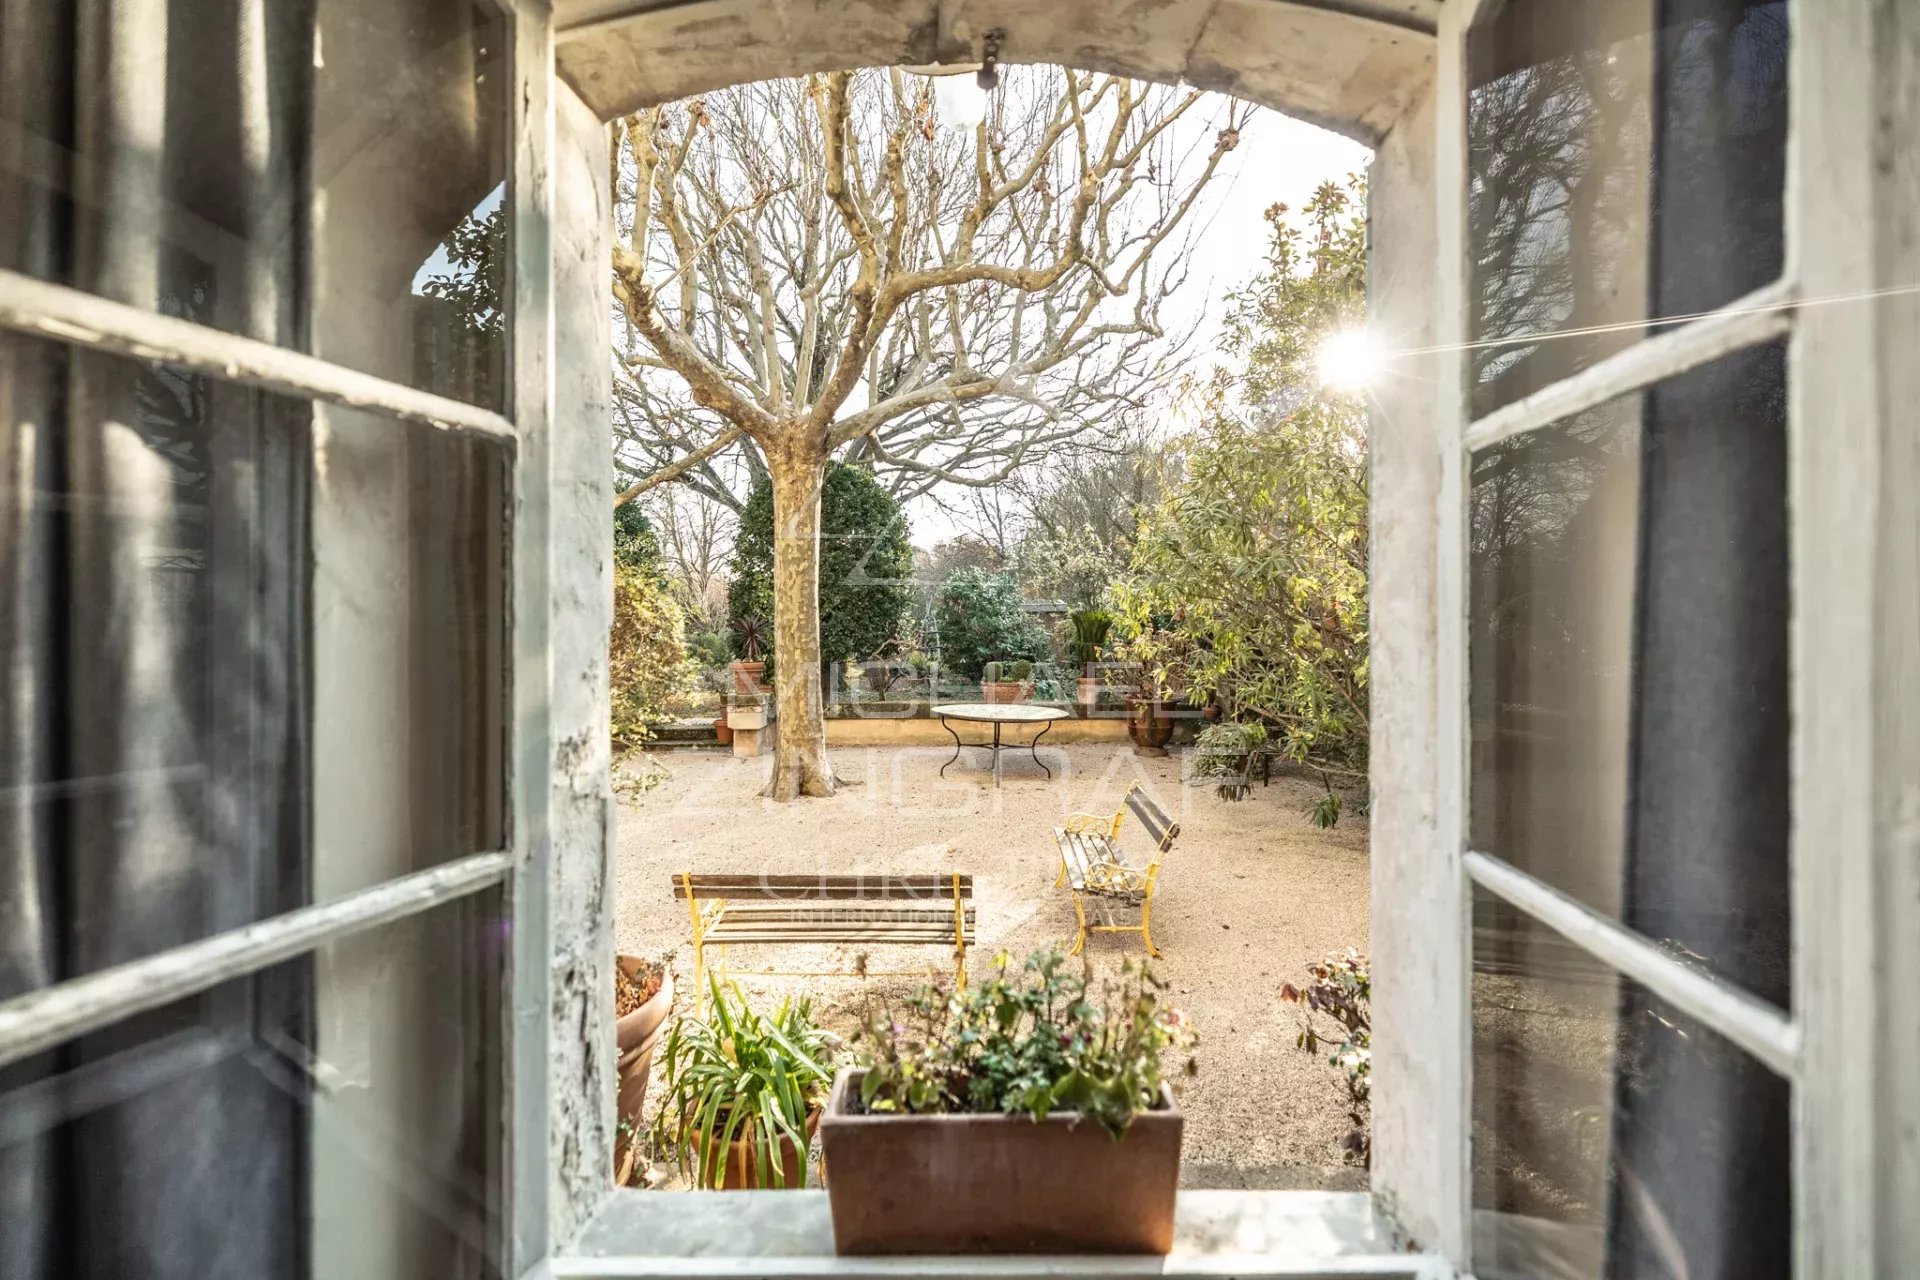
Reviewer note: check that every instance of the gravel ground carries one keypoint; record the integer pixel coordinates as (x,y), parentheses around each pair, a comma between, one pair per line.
(1251,893)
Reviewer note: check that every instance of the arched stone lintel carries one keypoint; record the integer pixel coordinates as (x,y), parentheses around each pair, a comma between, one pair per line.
(1323,62)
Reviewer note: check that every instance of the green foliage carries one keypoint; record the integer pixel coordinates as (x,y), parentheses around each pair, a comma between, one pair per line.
(474,291)
(1018,671)
(866,563)
(1075,565)
(1221,751)
(1032,1041)
(711,649)
(979,618)
(1249,579)
(1340,993)
(646,654)
(1091,627)
(739,1074)
(634,542)
(1325,812)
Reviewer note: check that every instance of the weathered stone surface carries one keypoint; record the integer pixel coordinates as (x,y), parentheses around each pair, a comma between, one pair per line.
(1349,66)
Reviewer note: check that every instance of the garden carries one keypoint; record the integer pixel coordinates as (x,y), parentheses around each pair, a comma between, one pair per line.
(1151,573)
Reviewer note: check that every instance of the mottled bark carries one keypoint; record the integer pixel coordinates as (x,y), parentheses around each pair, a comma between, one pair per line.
(798,469)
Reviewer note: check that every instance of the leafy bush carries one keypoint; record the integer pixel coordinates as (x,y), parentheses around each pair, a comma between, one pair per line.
(739,1074)
(1249,579)
(1031,1041)
(866,564)
(634,542)
(1336,1007)
(1221,751)
(711,649)
(1019,671)
(979,617)
(1091,627)
(646,656)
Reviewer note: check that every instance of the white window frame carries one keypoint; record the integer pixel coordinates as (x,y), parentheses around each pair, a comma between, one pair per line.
(1855,841)
(41,1019)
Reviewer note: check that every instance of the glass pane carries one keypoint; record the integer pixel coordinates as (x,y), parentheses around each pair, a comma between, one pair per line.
(1629,662)
(336,1115)
(1612,1134)
(1627,161)
(190,701)
(322,174)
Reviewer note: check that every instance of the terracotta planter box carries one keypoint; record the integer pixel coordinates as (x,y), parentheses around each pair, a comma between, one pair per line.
(746,676)
(1005,691)
(998,1184)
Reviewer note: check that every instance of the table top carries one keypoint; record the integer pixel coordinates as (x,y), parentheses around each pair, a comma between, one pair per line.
(1005,712)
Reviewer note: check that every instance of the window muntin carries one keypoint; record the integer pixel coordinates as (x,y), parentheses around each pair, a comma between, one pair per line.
(1613,1134)
(255,654)
(1627,162)
(1628,653)
(240,1130)
(304,183)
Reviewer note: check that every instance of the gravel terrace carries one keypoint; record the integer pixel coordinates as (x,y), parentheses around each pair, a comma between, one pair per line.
(1250,895)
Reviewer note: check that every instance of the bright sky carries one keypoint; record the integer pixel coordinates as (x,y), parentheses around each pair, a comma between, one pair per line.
(1279,159)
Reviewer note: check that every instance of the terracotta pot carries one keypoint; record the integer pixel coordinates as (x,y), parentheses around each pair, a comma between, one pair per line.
(1088,690)
(722,731)
(638,1034)
(998,1183)
(746,676)
(630,1031)
(1005,691)
(1149,725)
(743,1164)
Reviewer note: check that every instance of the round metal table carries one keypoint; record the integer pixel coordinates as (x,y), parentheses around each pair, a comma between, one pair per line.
(997,714)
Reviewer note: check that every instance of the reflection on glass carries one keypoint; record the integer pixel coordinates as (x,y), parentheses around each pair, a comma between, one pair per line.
(325,175)
(336,1115)
(1612,1134)
(1627,161)
(1629,662)
(174,646)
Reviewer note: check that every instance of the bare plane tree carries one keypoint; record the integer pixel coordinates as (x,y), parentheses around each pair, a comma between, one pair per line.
(815,268)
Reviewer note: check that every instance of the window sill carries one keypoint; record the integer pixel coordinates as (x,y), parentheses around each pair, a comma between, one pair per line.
(641,1234)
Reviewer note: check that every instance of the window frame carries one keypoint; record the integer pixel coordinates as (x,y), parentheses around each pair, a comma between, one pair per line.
(1837,423)
(38,1020)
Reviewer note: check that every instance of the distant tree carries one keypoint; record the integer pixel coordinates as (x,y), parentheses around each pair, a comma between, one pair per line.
(866,564)
(634,542)
(1250,578)
(980,619)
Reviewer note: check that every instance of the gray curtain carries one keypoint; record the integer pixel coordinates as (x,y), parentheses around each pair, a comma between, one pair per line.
(151,598)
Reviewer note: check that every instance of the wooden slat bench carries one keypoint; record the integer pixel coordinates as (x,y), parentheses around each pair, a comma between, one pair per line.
(876,910)
(1091,865)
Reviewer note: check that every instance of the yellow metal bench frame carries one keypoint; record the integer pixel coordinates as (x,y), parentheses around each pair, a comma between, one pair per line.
(913,910)
(1105,876)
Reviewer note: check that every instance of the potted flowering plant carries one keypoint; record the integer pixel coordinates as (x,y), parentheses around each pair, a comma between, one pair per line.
(642,996)
(975,1121)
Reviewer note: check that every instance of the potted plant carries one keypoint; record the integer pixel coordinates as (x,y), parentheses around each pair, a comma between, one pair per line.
(1007,681)
(750,641)
(743,1093)
(1149,722)
(1090,630)
(642,995)
(719,681)
(985,1121)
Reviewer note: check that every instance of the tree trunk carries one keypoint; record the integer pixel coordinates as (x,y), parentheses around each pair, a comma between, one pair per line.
(800,766)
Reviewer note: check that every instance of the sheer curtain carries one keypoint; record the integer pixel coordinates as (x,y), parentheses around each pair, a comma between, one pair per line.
(151,593)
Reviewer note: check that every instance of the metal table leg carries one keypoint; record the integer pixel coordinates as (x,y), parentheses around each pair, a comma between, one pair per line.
(1034,747)
(957,745)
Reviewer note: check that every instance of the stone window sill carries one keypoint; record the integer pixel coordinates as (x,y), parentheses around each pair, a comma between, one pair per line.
(784,1234)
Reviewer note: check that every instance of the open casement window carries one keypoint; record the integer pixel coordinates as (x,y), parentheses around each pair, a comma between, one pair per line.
(270,511)
(1650,630)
